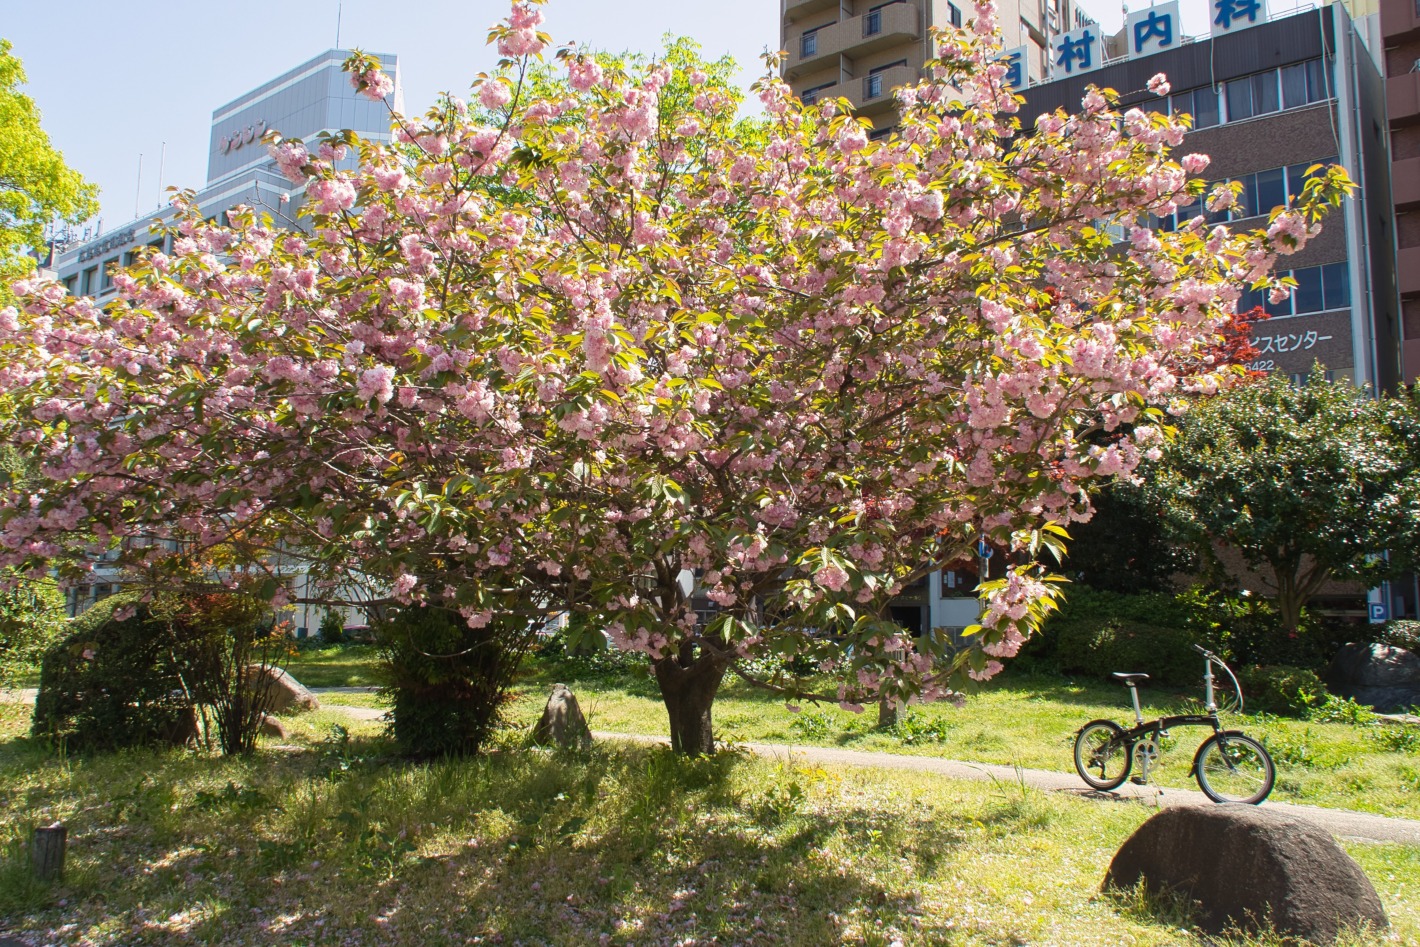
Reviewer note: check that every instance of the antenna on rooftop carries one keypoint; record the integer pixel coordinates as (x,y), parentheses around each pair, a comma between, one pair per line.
(138,192)
(162,159)
(337,25)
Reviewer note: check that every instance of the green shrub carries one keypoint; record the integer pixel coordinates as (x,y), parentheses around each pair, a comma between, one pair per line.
(1401,633)
(332,627)
(132,673)
(1246,629)
(447,681)
(1402,739)
(1096,633)
(1342,710)
(1280,689)
(113,682)
(32,619)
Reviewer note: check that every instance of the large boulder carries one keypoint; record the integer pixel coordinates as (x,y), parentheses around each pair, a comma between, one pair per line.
(283,692)
(562,722)
(1249,867)
(1378,675)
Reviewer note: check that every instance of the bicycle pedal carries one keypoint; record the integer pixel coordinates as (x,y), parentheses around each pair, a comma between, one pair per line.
(1138,780)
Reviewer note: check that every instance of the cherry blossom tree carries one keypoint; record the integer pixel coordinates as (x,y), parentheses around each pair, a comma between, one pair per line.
(563,347)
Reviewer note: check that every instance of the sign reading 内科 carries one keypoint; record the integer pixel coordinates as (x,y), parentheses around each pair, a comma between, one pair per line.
(1227,16)
(1153,29)
(1077,51)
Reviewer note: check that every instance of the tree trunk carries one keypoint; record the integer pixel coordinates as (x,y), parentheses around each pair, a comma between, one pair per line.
(888,715)
(688,684)
(47,850)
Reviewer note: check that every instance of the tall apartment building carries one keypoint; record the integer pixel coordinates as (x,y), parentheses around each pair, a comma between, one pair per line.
(1400,29)
(862,49)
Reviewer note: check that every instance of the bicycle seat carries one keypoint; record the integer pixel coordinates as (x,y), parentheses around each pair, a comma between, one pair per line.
(1129,679)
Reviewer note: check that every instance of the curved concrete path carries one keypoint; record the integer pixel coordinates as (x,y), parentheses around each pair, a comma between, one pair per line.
(1345,823)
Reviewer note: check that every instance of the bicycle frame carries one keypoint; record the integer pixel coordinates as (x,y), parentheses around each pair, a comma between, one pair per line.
(1160,727)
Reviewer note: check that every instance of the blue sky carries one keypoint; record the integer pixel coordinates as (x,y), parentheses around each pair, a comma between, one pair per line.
(116,80)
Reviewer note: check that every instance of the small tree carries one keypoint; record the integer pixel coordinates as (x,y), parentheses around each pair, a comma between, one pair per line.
(332,627)
(32,618)
(1308,484)
(36,186)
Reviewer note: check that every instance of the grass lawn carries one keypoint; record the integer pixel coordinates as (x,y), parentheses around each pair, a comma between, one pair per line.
(333,841)
(1018,719)
(346,665)
(1025,720)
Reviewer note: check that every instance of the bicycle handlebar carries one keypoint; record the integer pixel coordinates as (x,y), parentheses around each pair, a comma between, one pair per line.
(1204,651)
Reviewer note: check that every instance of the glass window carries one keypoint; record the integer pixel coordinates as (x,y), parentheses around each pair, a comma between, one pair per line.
(1239,93)
(873,86)
(873,23)
(1264,93)
(1317,81)
(878,134)
(1336,286)
(954,14)
(808,46)
(1251,299)
(86,285)
(1271,190)
(1276,309)
(1308,293)
(1294,86)
(1205,107)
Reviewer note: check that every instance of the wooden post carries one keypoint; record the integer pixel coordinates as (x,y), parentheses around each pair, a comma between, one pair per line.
(47,851)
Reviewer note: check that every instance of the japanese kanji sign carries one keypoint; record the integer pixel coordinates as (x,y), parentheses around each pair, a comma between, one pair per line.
(1229,15)
(1015,62)
(1153,29)
(1077,51)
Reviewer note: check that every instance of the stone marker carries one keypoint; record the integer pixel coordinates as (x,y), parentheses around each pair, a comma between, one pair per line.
(272,727)
(283,692)
(1250,867)
(1377,675)
(562,721)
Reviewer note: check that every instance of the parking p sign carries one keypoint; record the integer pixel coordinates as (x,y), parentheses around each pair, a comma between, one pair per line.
(1378,612)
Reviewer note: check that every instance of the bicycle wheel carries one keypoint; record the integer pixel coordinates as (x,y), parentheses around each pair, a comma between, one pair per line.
(1102,758)
(1232,767)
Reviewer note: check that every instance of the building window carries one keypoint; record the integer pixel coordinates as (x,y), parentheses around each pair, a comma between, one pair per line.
(106,274)
(873,82)
(880,134)
(1303,84)
(954,15)
(1265,191)
(1202,104)
(1253,95)
(1319,289)
(810,96)
(873,22)
(808,45)
(69,282)
(86,281)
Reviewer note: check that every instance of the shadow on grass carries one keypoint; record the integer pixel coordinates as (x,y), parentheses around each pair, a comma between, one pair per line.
(346,840)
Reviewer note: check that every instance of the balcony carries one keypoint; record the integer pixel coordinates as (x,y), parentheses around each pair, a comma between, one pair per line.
(1407,268)
(1405,183)
(871,94)
(1400,20)
(1402,98)
(879,29)
(793,9)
